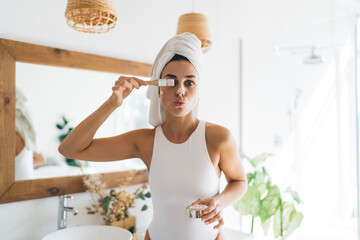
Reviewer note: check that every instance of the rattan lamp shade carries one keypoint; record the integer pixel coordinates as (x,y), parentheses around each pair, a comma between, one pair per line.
(91,16)
(197,24)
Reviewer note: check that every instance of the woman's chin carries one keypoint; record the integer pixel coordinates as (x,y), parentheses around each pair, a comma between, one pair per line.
(180,112)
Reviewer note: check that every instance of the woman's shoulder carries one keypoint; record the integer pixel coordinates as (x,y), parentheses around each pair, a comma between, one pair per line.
(217,134)
(144,132)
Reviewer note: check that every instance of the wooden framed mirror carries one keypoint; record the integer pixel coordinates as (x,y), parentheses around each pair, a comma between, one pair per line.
(14,51)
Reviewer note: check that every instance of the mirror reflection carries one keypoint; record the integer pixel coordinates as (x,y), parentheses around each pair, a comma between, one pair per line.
(45,112)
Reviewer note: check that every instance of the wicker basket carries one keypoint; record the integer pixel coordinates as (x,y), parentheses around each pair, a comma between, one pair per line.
(197,24)
(91,16)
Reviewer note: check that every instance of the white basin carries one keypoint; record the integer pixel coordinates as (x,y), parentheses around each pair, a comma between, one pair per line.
(90,232)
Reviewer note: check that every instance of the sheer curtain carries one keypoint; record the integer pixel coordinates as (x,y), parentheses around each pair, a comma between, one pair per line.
(320,151)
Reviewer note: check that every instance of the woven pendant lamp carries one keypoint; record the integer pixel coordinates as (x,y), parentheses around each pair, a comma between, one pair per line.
(197,24)
(91,16)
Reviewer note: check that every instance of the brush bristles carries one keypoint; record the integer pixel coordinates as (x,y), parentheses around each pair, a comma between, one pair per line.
(166,82)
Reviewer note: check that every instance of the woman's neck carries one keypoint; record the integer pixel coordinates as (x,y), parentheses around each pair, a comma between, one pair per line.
(179,129)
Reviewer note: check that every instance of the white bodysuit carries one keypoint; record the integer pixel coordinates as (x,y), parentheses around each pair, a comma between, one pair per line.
(179,175)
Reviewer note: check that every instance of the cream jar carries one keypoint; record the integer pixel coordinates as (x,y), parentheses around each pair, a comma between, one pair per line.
(195,211)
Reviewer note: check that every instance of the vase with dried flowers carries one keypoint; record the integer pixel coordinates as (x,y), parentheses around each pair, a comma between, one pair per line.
(114,204)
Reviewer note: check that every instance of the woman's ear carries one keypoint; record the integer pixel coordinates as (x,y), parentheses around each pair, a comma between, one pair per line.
(160,92)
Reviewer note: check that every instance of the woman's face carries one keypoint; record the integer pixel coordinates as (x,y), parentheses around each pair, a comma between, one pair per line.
(180,100)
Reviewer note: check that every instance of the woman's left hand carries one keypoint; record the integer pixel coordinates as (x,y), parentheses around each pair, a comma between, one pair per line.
(213,212)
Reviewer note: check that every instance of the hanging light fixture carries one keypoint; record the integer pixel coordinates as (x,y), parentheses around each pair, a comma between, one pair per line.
(91,16)
(197,24)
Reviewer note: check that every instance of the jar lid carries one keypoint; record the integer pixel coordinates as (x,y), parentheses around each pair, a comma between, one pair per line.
(195,211)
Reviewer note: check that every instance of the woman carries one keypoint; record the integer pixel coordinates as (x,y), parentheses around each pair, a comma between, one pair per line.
(27,155)
(184,155)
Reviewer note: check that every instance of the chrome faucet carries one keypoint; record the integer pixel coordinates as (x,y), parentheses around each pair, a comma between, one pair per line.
(63,209)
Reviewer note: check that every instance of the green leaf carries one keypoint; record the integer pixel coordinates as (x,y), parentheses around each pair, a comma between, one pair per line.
(294,194)
(262,189)
(277,223)
(268,184)
(288,209)
(249,204)
(127,214)
(113,193)
(265,171)
(106,201)
(132,229)
(291,219)
(270,203)
(140,195)
(70,129)
(259,159)
(148,195)
(259,178)
(295,221)
(59,126)
(265,225)
(144,207)
(72,162)
(250,176)
(62,137)
(65,121)
(243,155)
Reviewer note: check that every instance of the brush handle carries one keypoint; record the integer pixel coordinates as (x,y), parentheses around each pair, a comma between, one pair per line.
(153,82)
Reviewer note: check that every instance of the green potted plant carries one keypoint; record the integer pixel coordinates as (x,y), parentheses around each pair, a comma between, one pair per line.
(266,201)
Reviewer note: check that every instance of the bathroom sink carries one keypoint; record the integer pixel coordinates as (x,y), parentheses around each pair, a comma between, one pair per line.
(90,232)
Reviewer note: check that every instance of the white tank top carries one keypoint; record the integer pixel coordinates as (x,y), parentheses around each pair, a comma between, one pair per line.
(179,175)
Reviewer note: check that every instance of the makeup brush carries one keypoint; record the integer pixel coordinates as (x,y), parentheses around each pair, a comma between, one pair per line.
(162,82)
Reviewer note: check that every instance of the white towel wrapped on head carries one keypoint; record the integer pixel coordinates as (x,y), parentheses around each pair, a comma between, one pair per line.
(186,45)
(24,126)
(23,121)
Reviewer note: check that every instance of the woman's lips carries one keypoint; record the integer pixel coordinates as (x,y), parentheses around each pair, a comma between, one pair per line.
(179,103)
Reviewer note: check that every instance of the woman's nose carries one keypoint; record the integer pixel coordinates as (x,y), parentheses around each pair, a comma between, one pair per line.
(180,92)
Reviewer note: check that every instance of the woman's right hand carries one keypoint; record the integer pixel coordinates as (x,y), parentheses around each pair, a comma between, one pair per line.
(123,87)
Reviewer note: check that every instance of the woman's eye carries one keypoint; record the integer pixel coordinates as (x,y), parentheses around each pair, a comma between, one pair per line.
(189,83)
(176,82)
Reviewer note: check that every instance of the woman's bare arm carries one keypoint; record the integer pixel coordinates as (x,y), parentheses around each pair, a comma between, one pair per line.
(231,165)
(223,148)
(80,143)
(125,146)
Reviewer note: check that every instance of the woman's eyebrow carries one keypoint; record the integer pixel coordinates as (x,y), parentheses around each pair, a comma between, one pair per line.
(174,77)
(190,76)
(170,75)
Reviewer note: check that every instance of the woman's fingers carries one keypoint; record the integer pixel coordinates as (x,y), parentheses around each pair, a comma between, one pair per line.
(133,82)
(213,217)
(211,206)
(123,87)
(216,218)
(139,81)
(210,215)
(126,85)
(221,223)
(199,201)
